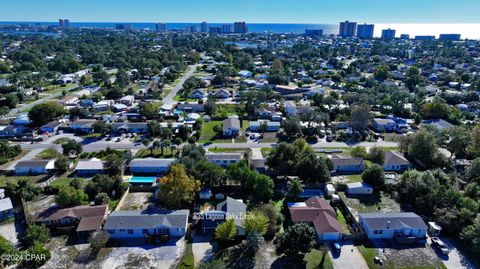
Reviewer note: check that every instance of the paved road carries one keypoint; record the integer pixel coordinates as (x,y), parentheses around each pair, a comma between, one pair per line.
(99,145)
(169,98)
(349,258)
(15,111)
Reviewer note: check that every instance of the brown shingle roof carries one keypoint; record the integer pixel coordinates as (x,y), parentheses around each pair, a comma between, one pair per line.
(319,212)
(91,217)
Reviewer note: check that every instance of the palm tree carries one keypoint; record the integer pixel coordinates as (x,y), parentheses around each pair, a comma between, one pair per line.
(294,187)
(164,144)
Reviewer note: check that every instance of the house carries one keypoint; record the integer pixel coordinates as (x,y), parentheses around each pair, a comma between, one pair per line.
(321,215)
(224,159)
(347,164)
(85,219)
(6,209)
(395,161)
(34,167)
(285,90)
(51,127)
(103,105)
(393,225)
(130,127)
(69,99)
(222,94)
(359,188)
(191,107)
(142,224)
(90,167)
(439,123)
(383,125)
(290,108)
(127,100)
(272,126)
(231,126)
(83,126)
(230,208)
(8,131)
(245,74)
(197,94)
(150,166)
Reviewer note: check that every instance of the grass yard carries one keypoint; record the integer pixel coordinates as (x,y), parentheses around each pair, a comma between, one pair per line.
(18,157)
(343,222)
(354,178)
(229,110)
(375,203)
(368,254)
(48,154)
(221,150)
(33,179)
(187,261)
(314,260)
(209,135)
(65,181)
(265,151)
(61,140)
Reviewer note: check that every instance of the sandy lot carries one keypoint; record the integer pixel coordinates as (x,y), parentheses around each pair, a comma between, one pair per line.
(138,201)
(164,256)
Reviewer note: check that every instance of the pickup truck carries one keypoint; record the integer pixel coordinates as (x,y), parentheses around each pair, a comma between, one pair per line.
(436,242)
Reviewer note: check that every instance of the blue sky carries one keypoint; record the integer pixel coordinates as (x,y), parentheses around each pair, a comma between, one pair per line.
(289,11)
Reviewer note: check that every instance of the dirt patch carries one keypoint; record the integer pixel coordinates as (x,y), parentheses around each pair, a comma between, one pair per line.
(410,257)
(62,255)
(138,201)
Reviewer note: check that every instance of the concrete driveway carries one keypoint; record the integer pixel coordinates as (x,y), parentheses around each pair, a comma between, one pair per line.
(10,232)
(202,247)
(455,259)
(349,258)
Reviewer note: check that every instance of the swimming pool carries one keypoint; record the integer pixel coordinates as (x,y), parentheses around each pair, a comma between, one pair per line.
(311,193)
(141,180)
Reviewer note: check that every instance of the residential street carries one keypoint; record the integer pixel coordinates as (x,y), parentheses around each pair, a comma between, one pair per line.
(169,98)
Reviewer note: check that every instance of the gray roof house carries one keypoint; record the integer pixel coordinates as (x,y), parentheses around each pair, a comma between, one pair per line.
(393,225)
(231,126)
(90,167)
(6,209)
(130,127)
(151,166)
(230,208)
(395,161)
(224,159)
(347,164)
(34,167)
(139,224)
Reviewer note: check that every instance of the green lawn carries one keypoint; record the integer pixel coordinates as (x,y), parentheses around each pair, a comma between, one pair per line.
(229,110)
(207,130)
(368,254)
(220,150)
(48,154)
(65,181)
(61,140)
(187,261)
(314,260)
(265,151)
(33,179)
(354,178)
(343,222)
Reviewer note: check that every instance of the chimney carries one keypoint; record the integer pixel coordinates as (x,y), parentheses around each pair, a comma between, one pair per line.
(388,225)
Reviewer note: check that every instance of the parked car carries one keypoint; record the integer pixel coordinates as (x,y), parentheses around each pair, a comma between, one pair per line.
(336,247)
(377,260)
(436,242)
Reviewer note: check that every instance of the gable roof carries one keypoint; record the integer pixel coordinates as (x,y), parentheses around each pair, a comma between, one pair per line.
(33,164)
(146,220)
(346,161)
(91,217)
(395,158)
(93,164)
(234,208)
(224,156)
(231,122)
(5,204)
(383,221)
(151,162)
(319,212)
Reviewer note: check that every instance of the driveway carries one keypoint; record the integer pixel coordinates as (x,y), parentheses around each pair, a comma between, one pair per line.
(10,232)
(349,258)
(202,248)
(169,98)
(455,259)
(163,256)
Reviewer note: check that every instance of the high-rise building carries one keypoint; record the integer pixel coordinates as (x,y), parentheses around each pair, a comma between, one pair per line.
(404,36)
(61,23)
(124,26)
(226,28)
(67,22)
(215,30)
(192,28)
(425,37)
(348,29)
(449,37)
(365,30)
(204,27)
(388,33)
(240,27)
(160,27)
(313,32)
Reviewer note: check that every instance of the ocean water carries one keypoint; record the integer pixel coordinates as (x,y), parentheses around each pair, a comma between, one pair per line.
(470,31)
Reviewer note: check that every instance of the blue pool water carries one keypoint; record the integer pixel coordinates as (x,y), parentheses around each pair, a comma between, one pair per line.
(142,180)
(311,193)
